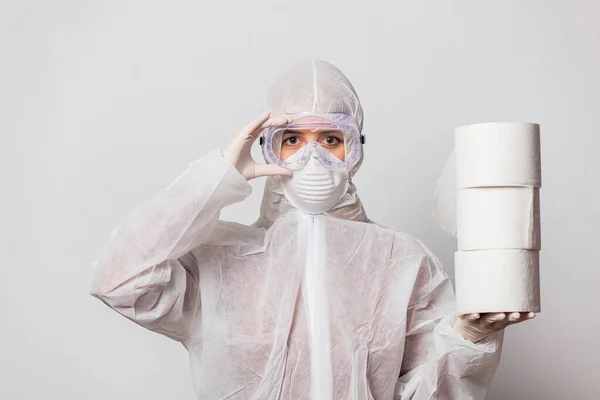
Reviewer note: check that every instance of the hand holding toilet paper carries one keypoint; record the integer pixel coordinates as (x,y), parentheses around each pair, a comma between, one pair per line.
(476,327)
(488,198)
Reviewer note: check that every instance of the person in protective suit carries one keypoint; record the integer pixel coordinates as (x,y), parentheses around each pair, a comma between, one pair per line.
(313,301)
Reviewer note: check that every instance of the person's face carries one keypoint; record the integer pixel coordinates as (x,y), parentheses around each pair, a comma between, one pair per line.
(294,139)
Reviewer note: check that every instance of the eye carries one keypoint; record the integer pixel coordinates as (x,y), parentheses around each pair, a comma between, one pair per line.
(332,140)
(292,141)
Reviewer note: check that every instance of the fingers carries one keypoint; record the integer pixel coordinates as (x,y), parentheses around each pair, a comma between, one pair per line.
(492,318)
(494,321)
(261,122)
(519,316)
(275,121)
(515,318)
(512,317)
(254,125)
(471,317)
(270,170)
(499,321)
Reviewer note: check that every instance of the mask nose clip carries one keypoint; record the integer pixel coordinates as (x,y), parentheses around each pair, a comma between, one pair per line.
(313,150)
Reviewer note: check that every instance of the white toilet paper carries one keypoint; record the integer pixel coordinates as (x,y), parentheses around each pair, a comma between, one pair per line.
(497,281)
(498,154)
(498,218)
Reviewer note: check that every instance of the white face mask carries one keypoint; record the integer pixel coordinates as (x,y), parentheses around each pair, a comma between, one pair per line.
(314,188)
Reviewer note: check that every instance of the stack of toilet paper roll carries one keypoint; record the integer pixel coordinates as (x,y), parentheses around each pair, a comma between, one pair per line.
(498,176)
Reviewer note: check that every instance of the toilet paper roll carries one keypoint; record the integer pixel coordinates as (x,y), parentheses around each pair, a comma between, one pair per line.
(497,281)
(498,154)
(498,218)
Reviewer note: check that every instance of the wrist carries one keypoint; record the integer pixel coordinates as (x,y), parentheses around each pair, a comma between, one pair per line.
(472,335)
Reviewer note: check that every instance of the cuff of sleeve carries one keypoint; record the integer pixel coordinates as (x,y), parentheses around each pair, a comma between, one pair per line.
(449,338)
(465,358)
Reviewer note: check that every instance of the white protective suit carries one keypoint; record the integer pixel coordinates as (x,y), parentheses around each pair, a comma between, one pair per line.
(298,306)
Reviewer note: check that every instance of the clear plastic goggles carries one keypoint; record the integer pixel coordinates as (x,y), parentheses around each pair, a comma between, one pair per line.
(334,139)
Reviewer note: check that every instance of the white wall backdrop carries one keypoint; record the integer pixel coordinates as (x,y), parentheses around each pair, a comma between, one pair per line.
(103,103)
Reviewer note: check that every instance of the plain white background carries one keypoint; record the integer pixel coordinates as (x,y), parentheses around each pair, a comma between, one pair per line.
(103,103)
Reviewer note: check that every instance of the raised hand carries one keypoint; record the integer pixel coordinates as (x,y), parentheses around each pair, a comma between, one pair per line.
(238,150)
